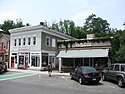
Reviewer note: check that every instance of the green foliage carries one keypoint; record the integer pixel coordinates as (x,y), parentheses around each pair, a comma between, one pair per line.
(68,27)
(118,46)
(97,26)
(9,24)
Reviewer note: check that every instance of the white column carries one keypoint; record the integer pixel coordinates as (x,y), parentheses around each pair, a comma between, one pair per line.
(60,64)
(40,60)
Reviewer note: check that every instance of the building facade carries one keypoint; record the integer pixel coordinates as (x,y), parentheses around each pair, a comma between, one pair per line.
(4,47)
(91,51)
(33,47)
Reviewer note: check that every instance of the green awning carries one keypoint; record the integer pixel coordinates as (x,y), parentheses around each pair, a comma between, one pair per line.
(91,53)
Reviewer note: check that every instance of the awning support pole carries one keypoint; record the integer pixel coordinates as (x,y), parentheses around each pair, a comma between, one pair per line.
(60,64)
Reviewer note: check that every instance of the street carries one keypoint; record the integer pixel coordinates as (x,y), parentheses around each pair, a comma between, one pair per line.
(57,84)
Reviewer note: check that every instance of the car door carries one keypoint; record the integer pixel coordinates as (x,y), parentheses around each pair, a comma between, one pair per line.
(74,73)
(77,73)
(115,72)
(109,72)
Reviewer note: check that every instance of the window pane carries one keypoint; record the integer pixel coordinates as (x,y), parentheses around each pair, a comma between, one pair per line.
(111,67)
(14,42)
(24,40)
(34,40)
(35,61)
(19,42)
(116,68)
(122,67)
(28,41)
(48,41)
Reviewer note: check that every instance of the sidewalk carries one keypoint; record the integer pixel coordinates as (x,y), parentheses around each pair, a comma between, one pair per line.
(55,72)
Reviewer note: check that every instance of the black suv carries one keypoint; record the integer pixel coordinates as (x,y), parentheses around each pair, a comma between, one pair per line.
(3,67)
(115,72)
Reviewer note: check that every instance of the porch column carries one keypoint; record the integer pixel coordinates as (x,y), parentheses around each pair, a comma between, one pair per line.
(60,64)
(109,61)
(92,62)
(89,62)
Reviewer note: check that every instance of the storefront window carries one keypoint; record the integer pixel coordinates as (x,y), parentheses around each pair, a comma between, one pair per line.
(44,59)
(35,61)
(68,62)
(21,60)
(6,58)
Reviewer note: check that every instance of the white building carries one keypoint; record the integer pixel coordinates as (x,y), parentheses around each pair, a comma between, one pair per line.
(33,47)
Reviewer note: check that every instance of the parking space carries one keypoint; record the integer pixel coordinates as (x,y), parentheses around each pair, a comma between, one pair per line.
(64,82)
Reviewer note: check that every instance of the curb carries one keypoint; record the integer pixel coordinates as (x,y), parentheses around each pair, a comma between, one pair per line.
(38,72)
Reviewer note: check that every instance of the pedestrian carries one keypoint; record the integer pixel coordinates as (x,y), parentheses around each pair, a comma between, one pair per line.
(49,69)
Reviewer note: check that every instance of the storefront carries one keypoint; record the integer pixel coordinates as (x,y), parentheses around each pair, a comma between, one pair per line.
(32,60)
(91,57)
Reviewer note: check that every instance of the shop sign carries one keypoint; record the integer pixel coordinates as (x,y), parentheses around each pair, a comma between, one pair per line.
(2,51)
(24,49)
(83,44)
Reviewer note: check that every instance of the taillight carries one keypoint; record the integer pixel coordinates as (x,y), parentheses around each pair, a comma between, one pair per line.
(86,75)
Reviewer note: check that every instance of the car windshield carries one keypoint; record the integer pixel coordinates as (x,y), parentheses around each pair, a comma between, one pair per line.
(88,70)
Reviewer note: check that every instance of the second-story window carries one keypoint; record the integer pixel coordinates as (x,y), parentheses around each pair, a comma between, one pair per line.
(53,42)
(29,41)
(15,42)
(24,41)
(34,40)
(19,42)
(47,41)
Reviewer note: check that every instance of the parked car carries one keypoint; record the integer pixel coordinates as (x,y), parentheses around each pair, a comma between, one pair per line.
(115,72)
(85,75)
(3,67)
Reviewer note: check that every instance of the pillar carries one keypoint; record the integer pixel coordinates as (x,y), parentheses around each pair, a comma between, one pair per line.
(60,64)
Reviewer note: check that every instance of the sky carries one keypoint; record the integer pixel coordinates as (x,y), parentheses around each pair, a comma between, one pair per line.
(36,11)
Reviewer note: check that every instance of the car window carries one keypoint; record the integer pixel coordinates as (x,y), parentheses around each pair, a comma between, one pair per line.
(76,69)
(88,70)
(122,67)
(79,70)
(111,67)
(116,68)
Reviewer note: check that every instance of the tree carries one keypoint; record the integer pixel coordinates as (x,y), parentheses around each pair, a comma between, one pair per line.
(9,24)
(97,26)
(79,33)
(118,46)
(66,26)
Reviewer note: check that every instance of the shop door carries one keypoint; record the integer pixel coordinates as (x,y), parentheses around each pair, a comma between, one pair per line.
(12,62)
(26,61)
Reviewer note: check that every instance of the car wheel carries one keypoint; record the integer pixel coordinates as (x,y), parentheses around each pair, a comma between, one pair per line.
(120,82)
(80,80)
(103,77)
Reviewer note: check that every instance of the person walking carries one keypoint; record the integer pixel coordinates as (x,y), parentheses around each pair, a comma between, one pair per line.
(49,69)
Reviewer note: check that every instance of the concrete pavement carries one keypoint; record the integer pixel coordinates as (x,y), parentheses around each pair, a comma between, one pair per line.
(55,72)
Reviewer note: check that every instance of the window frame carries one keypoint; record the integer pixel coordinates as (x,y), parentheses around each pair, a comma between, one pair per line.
(19,41)
(34,40)
(115,68)
(29,40)
(53,42)
(24,41)
(47,41)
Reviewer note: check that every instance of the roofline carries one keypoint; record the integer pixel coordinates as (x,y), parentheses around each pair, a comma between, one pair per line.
(27,28)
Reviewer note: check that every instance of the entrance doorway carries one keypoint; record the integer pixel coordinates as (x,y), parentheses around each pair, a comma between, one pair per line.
(12,62)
